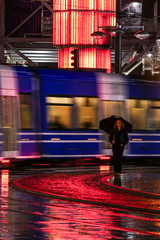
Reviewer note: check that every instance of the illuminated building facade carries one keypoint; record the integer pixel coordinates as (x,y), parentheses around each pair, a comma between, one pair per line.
(73,23)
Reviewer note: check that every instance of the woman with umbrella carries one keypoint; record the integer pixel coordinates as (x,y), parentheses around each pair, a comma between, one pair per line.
(118,138)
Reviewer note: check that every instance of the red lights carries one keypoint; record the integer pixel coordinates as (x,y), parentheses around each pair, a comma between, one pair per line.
(105,158)
(75,58)
(5,161)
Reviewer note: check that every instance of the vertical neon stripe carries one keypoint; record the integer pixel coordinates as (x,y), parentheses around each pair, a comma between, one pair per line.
(88,58)
(76,26)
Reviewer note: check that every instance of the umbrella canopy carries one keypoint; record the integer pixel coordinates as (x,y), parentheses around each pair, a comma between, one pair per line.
(107,124)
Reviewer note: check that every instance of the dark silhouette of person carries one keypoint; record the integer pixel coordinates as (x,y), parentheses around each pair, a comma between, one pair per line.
(56,123)
(118,138)
(87,124)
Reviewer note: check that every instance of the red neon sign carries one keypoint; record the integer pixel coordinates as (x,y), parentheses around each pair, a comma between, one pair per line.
(73,23)
(88,58)
(75,20)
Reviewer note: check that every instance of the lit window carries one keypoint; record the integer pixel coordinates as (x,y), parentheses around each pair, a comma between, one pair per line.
(59,112)
(25,111)
(144,114)
(86,112)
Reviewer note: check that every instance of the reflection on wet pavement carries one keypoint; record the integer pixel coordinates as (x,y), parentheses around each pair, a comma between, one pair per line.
(26,216)
(149,181)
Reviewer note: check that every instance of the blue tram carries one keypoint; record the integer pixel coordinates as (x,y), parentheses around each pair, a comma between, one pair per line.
(55,113)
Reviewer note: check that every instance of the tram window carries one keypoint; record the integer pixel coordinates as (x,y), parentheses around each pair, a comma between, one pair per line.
(25,111)
(144,114)
(112,108)
(86,112)
(153,119)
(137,110)
(58,112)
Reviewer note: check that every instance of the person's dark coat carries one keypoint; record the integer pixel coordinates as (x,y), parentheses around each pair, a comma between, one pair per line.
(121,137)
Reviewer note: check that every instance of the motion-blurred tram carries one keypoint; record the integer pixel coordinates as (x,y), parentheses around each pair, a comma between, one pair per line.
(53,114)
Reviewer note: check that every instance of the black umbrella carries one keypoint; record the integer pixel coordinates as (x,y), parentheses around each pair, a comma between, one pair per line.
(107,124)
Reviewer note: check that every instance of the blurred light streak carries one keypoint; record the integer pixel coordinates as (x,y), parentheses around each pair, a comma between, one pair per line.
(5,161)
(28,157)
(105,158)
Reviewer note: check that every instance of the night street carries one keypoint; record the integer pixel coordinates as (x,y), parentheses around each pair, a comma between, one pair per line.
(79,120)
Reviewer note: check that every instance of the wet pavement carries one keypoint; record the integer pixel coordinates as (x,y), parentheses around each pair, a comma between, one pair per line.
(24,215)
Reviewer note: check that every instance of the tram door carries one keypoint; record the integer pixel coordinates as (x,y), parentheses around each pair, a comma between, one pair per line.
(8,112)
(9,126)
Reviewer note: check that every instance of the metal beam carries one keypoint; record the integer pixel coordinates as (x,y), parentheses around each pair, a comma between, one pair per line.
(2,30)
(46,5)
(32,64)
(24,21)
(26,40)
(134,67)
(138,57)
(129,50)
(138,41)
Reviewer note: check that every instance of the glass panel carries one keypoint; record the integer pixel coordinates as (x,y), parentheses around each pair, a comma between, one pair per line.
(25,111)
(59,112)
(154,115)
(59,100)
(138,113)
(9,123)
(58,117)
(86,112)
(112,108)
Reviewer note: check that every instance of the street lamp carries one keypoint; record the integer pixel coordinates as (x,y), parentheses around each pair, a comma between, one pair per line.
(98,34)
(142,35)
(118,30)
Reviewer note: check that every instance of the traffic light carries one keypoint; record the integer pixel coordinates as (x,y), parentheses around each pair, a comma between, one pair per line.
(75,58)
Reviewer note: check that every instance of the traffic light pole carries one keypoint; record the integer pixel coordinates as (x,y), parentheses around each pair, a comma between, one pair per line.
(118,50)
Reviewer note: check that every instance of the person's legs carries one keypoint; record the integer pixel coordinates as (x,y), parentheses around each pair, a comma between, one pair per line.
(118,155)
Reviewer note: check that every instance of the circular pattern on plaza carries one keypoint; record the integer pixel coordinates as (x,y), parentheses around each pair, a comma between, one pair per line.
(90,188)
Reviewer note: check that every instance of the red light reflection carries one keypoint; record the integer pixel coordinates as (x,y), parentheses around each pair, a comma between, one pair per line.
(4,188)
(4,183)
(87,189)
